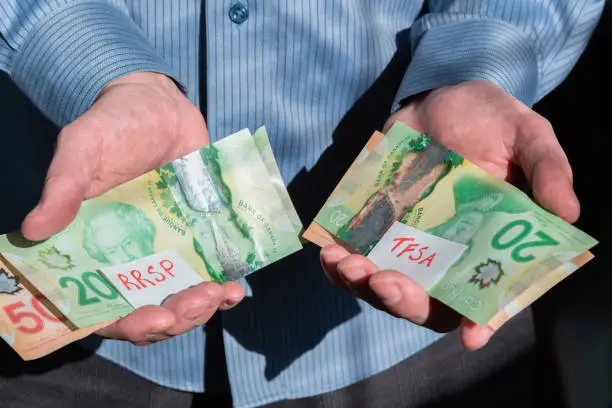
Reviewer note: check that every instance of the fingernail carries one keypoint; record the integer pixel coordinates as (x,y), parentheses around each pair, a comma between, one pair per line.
(154,337)
(227,305)
(329,257)
(387,290)
(230,303)
(328,252)
(325,252)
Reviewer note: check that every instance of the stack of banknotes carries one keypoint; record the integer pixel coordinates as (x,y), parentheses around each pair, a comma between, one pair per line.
(474,242)
(217,214)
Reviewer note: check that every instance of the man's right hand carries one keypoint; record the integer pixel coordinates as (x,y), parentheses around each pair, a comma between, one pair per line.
(138,123)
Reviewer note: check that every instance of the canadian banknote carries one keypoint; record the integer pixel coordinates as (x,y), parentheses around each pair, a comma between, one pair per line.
(223,209)
(506,250)
(28,322)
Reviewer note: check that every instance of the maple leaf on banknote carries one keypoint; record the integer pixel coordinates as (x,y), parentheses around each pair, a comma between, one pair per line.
(53,258)
(487,273)
(163,186)
(409,185)
(8,284)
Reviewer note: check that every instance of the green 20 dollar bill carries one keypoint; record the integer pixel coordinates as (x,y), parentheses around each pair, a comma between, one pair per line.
(218,214)
(474,242)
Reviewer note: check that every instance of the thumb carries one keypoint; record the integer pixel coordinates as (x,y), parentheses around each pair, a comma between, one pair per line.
(548,171)
(553,189)
(67,180)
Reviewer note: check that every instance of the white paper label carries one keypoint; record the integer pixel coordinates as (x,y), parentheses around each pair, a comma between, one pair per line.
(150,280)
(421,256)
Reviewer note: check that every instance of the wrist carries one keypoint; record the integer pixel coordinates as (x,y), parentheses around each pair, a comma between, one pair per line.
(475,49)
(63,73)
(144,78)
(414,101)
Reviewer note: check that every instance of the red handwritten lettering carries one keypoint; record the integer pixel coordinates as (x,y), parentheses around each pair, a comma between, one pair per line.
(151,278)
(414,251)
(409,248)
(421,250)
(138,276)
(400,241)
(126,282)
(428,260)
(167,266)
(150,271)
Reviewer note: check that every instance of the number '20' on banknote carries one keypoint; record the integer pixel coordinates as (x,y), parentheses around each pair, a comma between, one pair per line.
(219,214)
(472,241)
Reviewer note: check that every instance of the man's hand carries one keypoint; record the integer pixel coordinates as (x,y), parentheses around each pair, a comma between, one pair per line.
(496,132)
(138,123)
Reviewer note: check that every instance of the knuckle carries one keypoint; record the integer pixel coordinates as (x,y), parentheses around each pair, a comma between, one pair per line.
(191,110)
(351,260)
(192,114)
(534,123)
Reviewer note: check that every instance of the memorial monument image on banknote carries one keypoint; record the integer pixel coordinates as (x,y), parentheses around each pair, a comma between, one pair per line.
(476,243)
(221,237)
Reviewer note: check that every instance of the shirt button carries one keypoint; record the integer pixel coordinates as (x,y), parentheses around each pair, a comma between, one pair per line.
(239,12)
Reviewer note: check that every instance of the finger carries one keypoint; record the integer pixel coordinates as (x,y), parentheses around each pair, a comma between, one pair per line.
(474,336)
(143,326)
(397,294)
(65,187)
(351,273)
(401,296)
(234,293)
(193,306)
(553,189)
(331,255)
(355,271)
(546,167)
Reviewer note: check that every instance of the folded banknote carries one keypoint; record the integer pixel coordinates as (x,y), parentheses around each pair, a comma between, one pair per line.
(29,324)
(217,214)
(474,242)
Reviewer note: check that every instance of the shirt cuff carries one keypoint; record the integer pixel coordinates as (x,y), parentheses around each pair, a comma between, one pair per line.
(472,50)
(71,55)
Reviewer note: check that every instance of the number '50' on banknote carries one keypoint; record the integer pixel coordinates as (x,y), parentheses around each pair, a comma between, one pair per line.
(219,213)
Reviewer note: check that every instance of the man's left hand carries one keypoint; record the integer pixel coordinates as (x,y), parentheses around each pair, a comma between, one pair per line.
(496,132)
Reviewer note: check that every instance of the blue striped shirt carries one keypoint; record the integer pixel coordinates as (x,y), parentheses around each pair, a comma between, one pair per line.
(296,66)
